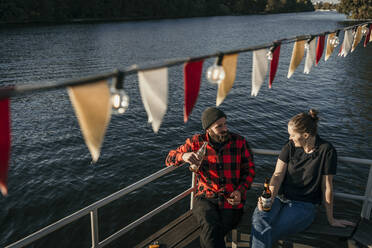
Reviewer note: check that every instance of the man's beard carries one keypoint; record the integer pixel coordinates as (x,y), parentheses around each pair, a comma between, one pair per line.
(220,138)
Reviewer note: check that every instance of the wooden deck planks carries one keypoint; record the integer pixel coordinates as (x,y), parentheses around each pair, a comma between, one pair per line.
(178,233)
(363,233)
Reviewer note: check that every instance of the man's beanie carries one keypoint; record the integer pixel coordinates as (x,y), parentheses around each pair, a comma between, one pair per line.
(210,116)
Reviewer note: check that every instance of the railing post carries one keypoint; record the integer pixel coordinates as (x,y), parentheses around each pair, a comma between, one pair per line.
(94,228)
(192,193)
(367,204)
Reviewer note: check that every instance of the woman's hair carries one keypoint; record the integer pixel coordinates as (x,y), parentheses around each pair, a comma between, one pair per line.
(305,122)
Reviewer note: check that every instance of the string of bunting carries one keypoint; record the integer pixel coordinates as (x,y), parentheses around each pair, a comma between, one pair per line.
(96,98)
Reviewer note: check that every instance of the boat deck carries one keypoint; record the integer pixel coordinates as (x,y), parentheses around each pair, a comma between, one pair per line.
(183,232)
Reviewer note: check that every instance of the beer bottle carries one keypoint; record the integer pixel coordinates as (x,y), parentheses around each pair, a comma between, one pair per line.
(266,196)
(154,244)
(200,153)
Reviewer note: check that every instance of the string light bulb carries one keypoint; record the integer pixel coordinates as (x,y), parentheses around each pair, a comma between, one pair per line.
(119,98)
(307,44)
(215,73)
(335,41)
(269,55)
(365,30)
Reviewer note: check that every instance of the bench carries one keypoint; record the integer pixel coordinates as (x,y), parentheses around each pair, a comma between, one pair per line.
(184,232)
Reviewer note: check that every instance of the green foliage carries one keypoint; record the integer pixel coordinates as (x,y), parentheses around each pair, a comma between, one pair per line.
(23,11)
(277,6)
(356,9)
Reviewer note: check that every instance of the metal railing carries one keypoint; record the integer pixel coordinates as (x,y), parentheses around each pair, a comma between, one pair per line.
(93,208)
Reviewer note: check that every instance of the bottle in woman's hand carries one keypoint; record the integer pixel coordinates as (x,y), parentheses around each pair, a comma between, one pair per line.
(266,196)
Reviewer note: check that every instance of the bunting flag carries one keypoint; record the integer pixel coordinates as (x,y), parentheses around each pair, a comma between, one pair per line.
(368,35)
(4,144)
(358,37)
(330,47)
(319,48)
(229,63)
(259,70)
(274,65)
(310,56)
(346,44)
(153,86)
(192,76)
(92,106)
(297,55)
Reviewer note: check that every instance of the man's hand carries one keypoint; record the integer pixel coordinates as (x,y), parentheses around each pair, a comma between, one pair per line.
(235,198)
(191,158)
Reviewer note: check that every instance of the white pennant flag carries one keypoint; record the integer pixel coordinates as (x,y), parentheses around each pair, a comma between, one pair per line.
(259,70)
(310,56)
(153,86)
(348,41)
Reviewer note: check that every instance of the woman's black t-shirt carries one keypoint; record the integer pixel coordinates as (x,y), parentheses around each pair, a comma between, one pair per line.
(303,178)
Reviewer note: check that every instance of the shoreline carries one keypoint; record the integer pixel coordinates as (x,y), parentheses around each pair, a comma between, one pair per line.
(127,19)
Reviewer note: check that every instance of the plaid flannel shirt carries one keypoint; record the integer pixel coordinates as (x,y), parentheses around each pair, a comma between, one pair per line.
(221,172)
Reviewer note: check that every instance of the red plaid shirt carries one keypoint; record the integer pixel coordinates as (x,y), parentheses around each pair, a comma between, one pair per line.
(221,172)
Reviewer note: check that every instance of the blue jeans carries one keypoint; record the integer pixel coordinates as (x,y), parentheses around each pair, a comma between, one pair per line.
(282,220)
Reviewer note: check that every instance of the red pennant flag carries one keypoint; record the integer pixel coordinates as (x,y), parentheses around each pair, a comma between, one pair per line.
(4,144)
(319,48)
(366,40)
(192,76)
(274,65)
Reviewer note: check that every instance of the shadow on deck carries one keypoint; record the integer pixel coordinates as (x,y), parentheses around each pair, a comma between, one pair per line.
(184,232)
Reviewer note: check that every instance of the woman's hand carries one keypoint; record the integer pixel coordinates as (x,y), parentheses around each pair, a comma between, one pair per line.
(260,203)
(341,223)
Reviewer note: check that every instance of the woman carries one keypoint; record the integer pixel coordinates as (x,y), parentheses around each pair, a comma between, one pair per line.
(303,174)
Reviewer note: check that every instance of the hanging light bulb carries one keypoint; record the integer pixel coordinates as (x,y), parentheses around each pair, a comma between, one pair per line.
(307,44)
(119,101)
(365,30)
(335,41)
(216,73)
(269,54)
(354,32)
(119,98)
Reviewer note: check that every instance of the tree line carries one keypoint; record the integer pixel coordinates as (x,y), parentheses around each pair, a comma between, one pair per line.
(356,9)
(55,11)
(29,11)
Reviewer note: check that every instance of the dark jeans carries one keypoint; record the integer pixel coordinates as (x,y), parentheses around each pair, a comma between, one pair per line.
(215,223)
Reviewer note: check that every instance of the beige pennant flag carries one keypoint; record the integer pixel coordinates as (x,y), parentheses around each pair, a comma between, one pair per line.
(93,110)
(297,55)
(153,86)
(229,63)
(357,38)
(330,47)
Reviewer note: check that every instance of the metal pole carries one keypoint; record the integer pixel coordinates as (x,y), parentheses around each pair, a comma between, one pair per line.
(192,193)
(367,204)
(94,228)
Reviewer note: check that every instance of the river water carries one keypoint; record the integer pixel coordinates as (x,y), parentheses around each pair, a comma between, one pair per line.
(51,175)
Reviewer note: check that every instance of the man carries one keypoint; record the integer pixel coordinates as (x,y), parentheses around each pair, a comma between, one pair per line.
(225,174)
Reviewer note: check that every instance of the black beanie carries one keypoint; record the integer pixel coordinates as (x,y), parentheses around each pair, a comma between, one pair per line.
(210,116)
